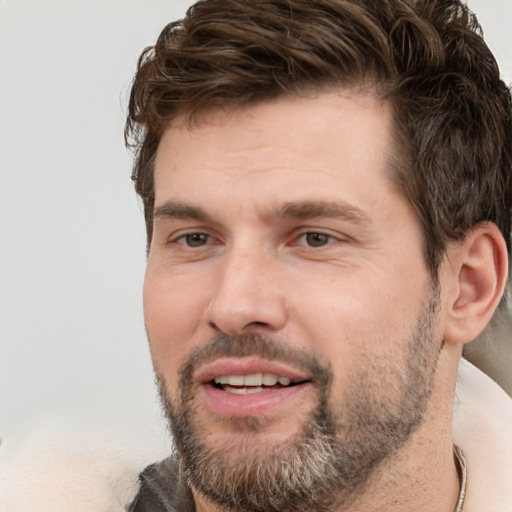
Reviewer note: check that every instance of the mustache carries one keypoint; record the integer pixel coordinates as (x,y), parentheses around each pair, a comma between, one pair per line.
(255,345)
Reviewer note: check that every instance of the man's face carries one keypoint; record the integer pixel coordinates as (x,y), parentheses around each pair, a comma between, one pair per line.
(286,281)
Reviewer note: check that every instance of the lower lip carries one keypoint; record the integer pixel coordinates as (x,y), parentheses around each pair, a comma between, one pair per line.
(256,404)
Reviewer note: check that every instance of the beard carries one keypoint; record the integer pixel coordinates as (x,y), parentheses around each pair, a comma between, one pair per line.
(330,460)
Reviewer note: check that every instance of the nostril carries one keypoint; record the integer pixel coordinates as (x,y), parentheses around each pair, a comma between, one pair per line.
(257,326)
(237,329)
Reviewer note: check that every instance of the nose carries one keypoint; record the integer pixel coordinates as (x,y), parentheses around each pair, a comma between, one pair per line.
(247,295)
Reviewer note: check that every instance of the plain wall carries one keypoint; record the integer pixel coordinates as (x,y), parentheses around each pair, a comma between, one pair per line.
(72,237)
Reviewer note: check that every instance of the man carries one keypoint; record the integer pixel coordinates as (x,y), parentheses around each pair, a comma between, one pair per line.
(327,192)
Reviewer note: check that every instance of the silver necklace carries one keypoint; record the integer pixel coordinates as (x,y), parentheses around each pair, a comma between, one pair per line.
(462,470)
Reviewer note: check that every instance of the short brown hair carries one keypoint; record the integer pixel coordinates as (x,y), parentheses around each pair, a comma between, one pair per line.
(453,114)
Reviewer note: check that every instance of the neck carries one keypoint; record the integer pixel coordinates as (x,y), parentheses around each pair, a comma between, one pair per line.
(421,477)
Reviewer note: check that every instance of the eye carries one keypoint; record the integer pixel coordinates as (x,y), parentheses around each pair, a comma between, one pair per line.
(194,239)
(315,239)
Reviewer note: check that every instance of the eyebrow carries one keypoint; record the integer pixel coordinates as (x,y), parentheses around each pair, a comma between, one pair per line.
(289,210)
(313,209)
(174,210)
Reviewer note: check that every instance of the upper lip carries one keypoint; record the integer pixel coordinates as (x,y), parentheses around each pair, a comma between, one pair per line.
(248,366)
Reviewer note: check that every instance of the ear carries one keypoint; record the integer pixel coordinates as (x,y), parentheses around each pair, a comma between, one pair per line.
(478,270)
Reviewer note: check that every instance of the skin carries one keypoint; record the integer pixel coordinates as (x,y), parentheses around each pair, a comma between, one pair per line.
(280,218)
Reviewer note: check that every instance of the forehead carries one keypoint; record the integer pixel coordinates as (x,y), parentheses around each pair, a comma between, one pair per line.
(290,145)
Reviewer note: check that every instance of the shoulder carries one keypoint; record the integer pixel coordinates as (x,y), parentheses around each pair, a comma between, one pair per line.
(56,465)
(482,427)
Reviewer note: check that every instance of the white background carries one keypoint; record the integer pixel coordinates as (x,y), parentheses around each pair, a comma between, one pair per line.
(72,237)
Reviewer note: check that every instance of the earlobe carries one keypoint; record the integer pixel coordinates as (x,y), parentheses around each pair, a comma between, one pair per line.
(479,266)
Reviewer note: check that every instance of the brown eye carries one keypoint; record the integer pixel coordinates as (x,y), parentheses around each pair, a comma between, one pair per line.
(194,239)
(316,239)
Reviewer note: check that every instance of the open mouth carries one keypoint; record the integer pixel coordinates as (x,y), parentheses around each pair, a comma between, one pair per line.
(250,386)
(253,383)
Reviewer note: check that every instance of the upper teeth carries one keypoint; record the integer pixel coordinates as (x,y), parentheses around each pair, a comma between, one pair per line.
(256,379)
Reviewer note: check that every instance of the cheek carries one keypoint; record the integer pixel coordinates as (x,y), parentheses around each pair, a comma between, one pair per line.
(349,317)
(354,308)
(173,309)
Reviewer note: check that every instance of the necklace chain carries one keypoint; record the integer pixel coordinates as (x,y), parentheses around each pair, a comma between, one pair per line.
(462,470)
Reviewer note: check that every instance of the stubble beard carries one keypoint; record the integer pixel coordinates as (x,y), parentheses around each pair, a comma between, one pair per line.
(330,460)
